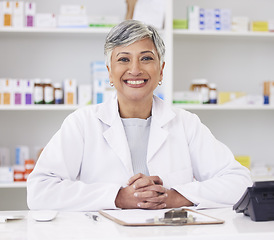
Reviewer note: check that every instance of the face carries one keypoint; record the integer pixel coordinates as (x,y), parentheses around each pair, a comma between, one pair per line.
(135,71)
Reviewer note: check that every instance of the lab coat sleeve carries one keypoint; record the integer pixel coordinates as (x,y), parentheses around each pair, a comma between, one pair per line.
(219,179)
(54,182)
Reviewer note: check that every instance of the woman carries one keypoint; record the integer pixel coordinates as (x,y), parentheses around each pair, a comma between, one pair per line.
(134,151)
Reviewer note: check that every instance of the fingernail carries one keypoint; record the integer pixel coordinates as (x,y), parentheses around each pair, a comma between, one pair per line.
(135,194)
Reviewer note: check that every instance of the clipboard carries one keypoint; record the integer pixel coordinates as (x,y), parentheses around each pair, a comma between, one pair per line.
(139,217)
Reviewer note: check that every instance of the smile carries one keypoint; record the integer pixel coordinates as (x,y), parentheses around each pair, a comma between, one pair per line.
(135,82)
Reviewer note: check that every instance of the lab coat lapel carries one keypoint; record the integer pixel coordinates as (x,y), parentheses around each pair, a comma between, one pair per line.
(161,115)
(115,133)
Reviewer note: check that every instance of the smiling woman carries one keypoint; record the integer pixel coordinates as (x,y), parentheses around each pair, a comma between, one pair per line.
(135,72)
(134,150)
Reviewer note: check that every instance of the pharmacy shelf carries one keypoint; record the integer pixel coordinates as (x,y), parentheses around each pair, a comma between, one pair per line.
(178,32)
(39,107)
(13,185)
(90,30)
(223,107)
(184,106)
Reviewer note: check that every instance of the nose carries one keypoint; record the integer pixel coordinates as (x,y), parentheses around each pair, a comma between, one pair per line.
(135,68)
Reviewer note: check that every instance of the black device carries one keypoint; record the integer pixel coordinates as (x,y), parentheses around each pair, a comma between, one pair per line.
(257,202)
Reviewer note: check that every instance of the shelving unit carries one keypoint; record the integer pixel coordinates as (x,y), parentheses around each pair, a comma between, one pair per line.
(235,61)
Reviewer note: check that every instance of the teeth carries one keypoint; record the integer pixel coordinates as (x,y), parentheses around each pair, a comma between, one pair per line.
(136,82)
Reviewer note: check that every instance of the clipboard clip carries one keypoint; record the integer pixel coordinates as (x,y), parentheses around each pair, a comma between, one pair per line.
(174,217)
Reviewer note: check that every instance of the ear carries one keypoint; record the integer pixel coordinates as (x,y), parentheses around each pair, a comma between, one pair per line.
(109,73)
(162,70)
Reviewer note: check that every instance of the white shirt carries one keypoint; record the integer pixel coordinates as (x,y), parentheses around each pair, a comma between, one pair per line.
(88,160)
(137,132)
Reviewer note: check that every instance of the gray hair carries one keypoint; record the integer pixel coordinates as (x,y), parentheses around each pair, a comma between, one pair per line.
(128,32)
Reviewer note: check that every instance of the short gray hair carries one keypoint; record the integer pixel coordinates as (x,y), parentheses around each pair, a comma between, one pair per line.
(130,31)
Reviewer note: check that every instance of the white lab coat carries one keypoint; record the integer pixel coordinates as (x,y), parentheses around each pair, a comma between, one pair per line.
(88,160)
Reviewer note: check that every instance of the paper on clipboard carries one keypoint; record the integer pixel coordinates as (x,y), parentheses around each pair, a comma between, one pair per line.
(139,217)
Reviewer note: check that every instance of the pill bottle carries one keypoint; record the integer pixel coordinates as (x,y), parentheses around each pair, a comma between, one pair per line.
(38,92)
(58,93)
(201,86)
(212,93)
(48,91)
(18,173)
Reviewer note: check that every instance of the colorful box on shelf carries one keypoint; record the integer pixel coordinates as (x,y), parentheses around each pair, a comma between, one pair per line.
(269,92)
(259,26)
(187,97)
(244,160)
(180,24)
(226,97)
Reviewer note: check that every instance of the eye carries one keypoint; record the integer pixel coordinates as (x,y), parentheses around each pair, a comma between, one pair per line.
(123,59)
(147,58)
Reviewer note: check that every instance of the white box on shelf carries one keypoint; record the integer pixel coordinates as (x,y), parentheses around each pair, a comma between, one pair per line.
(225,18)
(240,24)
(18,14)
(193,17)
(73,10)
(84,94)
(65,21)
(209,19)
(45,20)
(150,12)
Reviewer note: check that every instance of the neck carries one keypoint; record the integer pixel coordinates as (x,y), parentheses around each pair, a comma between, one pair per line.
(135,109)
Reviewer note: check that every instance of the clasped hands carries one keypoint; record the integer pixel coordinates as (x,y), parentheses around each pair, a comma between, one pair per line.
(148,192)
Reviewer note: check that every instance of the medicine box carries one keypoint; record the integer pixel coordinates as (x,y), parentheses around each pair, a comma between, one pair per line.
(1,90)
(193,18)
(225,19)
(45,20)
(259,26)
(7,7)
(30,11)
(70,91)
(240,24)
(84,94)
(100,82)
(73,10)
(18,14)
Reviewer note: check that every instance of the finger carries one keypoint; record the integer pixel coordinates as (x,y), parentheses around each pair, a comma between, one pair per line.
(155,188)
(156,180)
(135,177)
(145,195)
(149,205)
(142,182)
(158,199)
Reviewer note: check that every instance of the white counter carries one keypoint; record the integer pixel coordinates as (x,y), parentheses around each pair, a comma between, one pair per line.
(75,225)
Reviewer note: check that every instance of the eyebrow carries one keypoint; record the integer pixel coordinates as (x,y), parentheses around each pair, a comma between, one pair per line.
(143,52)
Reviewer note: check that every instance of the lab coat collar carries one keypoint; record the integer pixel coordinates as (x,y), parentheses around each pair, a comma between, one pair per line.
(161,111)
(115,134)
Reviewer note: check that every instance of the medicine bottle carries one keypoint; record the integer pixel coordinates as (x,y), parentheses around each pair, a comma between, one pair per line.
(38,97)
(48,92)
(212,93)
(200,85)
(58,93)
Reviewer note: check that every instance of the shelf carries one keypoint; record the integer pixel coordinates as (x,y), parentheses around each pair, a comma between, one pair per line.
(13,185)
(178,32)
(223,107)
(88,30)
(39,107)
